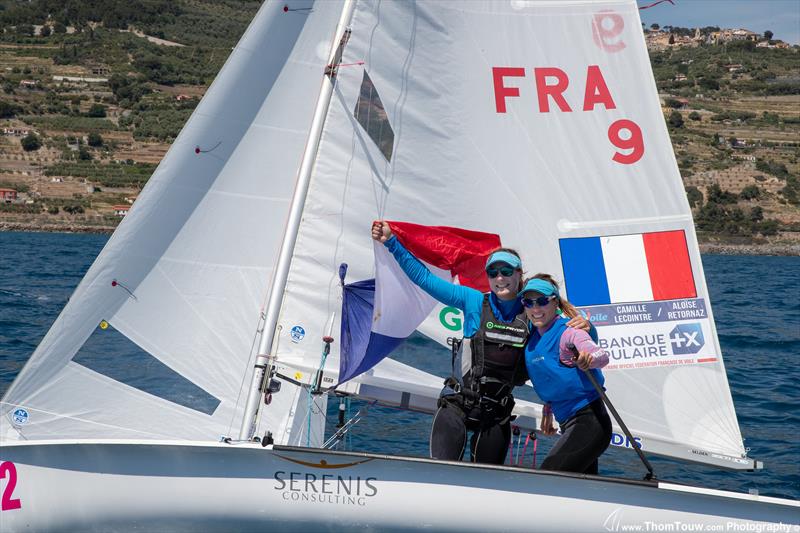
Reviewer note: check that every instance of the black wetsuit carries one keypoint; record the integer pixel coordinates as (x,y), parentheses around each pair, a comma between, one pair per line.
(481,401)
(584,438)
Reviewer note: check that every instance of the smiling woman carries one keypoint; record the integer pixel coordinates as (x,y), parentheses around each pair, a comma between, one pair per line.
(478,396)
(552,353)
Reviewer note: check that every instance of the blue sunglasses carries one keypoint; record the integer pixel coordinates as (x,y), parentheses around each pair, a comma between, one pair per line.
(541,301)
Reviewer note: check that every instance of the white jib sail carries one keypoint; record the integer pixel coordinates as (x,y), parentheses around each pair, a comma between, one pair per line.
(535,120)
(186,274)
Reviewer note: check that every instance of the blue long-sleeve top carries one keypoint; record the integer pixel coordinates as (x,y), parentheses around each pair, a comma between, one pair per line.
(469,300)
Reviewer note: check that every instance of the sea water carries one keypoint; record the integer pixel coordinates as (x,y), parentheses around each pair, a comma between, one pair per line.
(756,304)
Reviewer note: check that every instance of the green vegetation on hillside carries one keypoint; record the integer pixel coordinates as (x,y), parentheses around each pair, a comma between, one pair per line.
(721,70)
(728,107)
(105,174)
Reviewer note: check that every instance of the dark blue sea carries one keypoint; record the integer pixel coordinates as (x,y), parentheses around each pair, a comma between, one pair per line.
(756,302)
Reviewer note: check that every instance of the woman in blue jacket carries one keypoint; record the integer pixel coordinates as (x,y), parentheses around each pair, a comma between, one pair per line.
(557,358)
(477,397)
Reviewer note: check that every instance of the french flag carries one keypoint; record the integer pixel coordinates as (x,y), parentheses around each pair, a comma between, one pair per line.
(379,314)
(627,268)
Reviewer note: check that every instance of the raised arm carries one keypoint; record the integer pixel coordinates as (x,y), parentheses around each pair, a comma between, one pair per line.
(448,293)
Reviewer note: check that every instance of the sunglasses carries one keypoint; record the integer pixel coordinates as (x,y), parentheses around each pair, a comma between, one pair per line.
(541,301)
(506,271)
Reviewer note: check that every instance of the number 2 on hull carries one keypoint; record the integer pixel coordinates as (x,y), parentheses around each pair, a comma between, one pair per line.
(7,503)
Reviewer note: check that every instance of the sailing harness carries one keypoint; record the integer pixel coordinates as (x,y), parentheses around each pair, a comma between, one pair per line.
(486,368)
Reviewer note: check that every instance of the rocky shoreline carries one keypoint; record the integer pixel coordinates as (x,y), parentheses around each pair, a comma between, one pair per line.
(718,248)
(54,228)
(750,249)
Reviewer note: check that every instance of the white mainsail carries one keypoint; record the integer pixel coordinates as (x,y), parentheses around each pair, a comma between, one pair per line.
(535,120)
(193,259)
(529,119)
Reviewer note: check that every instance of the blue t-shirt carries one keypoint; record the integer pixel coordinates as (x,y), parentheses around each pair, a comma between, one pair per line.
(566,389)
(469,300)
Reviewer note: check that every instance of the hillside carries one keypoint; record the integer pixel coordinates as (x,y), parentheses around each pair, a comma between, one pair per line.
(94,93)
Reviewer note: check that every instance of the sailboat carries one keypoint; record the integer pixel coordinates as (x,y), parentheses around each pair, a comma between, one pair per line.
(536,120)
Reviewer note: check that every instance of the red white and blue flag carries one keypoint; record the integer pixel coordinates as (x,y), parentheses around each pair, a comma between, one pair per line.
(640,267)
(378,315)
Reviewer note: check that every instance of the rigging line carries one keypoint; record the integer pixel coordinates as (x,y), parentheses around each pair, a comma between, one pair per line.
(199,150)
(351,422)
(636,446)
(381,195)
(357,63)
(348,176)
(312,401)
(115,283)
(655,4)
(359,136)
(250,357)
(402,98)
(209,327)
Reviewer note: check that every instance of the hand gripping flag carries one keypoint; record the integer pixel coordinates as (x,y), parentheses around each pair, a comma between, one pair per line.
(378,315)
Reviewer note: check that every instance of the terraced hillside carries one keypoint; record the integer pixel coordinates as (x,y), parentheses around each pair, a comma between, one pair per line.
(93,93)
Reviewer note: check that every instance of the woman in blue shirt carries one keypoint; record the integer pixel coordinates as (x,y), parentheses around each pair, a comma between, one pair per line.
(477,397)
(552,353)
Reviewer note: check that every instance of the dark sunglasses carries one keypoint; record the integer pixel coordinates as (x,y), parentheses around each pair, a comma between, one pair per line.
(541,301)
(505,271)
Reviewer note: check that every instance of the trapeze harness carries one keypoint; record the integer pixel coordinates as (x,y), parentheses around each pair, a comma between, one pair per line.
(490,364)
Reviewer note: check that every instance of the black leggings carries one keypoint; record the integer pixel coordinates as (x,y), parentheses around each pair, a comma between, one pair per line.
(584,438)
(488,444)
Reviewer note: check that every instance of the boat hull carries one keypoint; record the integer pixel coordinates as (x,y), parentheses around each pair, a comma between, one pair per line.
(106,486)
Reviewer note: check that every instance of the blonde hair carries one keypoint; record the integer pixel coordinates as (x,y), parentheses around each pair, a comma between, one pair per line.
(567,309)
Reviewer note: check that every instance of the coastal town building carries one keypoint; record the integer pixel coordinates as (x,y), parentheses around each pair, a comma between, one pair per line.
(663,38)
(739,34)
(8,195)
(79,79)
(121,210)
(16,132)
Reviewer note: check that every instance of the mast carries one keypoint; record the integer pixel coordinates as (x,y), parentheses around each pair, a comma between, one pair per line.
(263,363)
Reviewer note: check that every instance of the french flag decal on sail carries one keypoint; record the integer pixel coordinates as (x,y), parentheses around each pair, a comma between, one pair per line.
(378,315)
(627,268)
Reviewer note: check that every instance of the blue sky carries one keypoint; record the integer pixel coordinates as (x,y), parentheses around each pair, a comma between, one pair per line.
(782,17)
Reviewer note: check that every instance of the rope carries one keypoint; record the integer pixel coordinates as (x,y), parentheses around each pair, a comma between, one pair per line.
(655,4)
